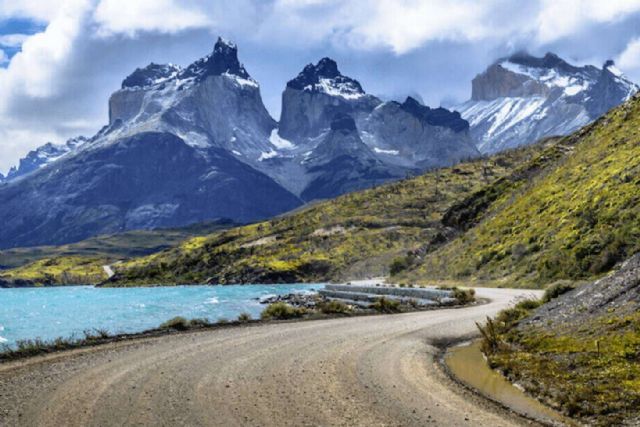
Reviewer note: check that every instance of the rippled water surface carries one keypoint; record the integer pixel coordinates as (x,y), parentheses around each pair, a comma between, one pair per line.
(67,311)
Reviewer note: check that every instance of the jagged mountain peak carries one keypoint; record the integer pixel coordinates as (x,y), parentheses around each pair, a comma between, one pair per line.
(44,155)
(435,116)
(150,75)
(324,77)
(549,61)
(223,60)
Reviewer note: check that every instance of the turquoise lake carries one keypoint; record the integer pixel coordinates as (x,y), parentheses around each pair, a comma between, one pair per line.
(49,313)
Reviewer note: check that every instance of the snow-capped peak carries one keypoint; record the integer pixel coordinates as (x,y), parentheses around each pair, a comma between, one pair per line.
(223,43)
(44,155)
(222,61)
(324,77)
(572,82)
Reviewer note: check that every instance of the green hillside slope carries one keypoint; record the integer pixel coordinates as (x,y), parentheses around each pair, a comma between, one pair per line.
(574,222)
(81,262)
(356,235)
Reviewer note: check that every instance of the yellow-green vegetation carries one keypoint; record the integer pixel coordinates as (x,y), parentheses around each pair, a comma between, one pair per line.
(355,235)
(576,220)
(386,305)
(64,270)
(81,263)
(334,307)
(282,311)
(590,372)
(180,323)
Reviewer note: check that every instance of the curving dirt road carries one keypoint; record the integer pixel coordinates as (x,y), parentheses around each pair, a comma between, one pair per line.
(366,371)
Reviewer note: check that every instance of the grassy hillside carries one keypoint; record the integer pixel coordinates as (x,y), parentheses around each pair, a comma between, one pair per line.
(356,235)
(573,222)
(580,352)
(82,262)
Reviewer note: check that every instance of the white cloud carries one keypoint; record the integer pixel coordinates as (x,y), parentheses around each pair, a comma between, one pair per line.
(32,71)
(629,59)
(560,18)
(13,40)
(3,57)
(131,17)
(404,25)
(40,10)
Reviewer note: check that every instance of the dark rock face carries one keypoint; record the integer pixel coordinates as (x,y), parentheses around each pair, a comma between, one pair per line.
(16,283)
(342,163)
(224,59)
(498,82)
(607,92)
(148,180)
(343,122)
(436,116)
(549,61)
(417,137)
(326,68)
(149,75)
(617,293)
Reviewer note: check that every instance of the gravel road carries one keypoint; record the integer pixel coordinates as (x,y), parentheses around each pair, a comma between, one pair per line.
(360,371)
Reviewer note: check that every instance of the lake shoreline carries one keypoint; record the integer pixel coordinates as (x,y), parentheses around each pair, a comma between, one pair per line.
(60,345)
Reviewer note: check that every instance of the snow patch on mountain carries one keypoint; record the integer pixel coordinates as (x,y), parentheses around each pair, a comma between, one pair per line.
(572,84)
(279,142)
(390,152)
(267,155)
(335,87)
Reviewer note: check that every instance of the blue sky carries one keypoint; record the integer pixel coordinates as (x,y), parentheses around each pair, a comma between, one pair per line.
(60,60)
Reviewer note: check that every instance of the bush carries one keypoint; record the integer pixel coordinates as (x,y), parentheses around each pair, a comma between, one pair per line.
(529,304)
(464,296)
(386,305)
(281,310)
(244,317)
(330,307)
(400,264)
(178,323)
(557,289)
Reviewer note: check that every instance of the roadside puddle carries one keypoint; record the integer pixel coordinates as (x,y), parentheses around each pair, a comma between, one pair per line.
(466,362)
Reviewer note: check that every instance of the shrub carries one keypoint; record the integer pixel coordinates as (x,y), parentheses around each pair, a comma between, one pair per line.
(330,307)
(199,323)
(244,317)
(178,323)
(529,304)
(556,289)
(464,296)
(281,310)
(400,264)
(386,305)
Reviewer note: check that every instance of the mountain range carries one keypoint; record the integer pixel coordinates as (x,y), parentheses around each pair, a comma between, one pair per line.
(522,98)
(185,145)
